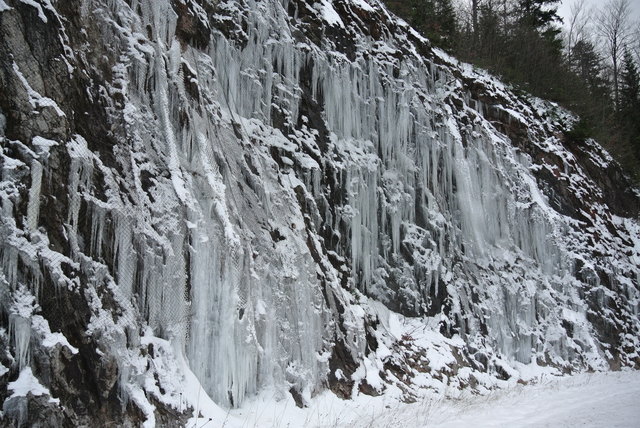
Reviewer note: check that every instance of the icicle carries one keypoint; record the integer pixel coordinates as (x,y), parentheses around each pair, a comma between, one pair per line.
(24,305)
(80,173)
(226,273)
(33,208)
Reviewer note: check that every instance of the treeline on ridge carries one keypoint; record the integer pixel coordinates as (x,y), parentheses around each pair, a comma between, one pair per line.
(588,63)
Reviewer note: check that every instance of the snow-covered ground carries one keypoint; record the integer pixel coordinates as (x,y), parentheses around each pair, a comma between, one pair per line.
(586,400)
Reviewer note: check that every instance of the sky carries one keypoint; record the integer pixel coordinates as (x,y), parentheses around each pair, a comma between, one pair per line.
(565,7)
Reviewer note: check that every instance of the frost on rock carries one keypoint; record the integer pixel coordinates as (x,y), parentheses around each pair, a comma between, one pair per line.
(239,196)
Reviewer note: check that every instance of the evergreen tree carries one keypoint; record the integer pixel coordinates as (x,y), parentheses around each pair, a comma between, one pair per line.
(587,92)
(436,19)
(539,14)
(630,86)
(534,54)
(519,40)
(587,64)
(491,35)
(630,103)
(541,17)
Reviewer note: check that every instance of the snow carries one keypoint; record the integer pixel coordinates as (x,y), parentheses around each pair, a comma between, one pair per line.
(202,404)
(362,4)
(4,6)
(27,383)
(48,338)
(220,231)
(38,7)
(43,145)
(584,400)
(37,101)
(329,14)
(137,395)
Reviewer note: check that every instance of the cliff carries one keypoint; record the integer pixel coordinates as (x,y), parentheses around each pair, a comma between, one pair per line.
(207,199)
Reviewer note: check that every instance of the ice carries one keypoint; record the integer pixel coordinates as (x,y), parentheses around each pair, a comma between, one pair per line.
(402,157)
(275,195)
(23,307)
(33,208)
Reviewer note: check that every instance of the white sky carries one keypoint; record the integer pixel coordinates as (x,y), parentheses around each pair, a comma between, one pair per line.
(565,7)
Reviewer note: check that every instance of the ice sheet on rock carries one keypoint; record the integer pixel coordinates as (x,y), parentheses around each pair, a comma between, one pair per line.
(20,312)
(33,208)
(400,153)
(269,190)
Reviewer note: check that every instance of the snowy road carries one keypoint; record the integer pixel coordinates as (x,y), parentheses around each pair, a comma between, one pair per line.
(588,400)
(585,400)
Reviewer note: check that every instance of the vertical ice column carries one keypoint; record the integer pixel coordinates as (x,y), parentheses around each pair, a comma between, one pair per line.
(362,189)
(124,255)
(221,348)
(33,207)
(80,174)
(20,314)
(220,351)
(20,330)
(162,280)
(162,107)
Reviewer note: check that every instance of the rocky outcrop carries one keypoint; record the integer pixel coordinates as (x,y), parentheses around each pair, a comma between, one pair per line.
(295,195)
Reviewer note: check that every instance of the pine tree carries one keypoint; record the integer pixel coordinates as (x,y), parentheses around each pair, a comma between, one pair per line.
(630,86)
(490,34)
(539,14)
(630,103)
(436,19)
(534,52)
(541,17)
(587,64)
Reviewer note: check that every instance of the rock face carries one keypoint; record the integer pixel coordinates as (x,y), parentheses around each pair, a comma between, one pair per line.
(290,194)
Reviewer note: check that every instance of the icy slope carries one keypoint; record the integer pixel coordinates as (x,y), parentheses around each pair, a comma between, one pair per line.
(290,196)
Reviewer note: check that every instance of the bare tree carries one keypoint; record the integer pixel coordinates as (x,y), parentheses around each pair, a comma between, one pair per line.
(467,14)
(615,30)
(577,25)
(474,14)
(635,45)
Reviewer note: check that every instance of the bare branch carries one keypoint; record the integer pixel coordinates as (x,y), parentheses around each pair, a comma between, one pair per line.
(614,29)
(578,24)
